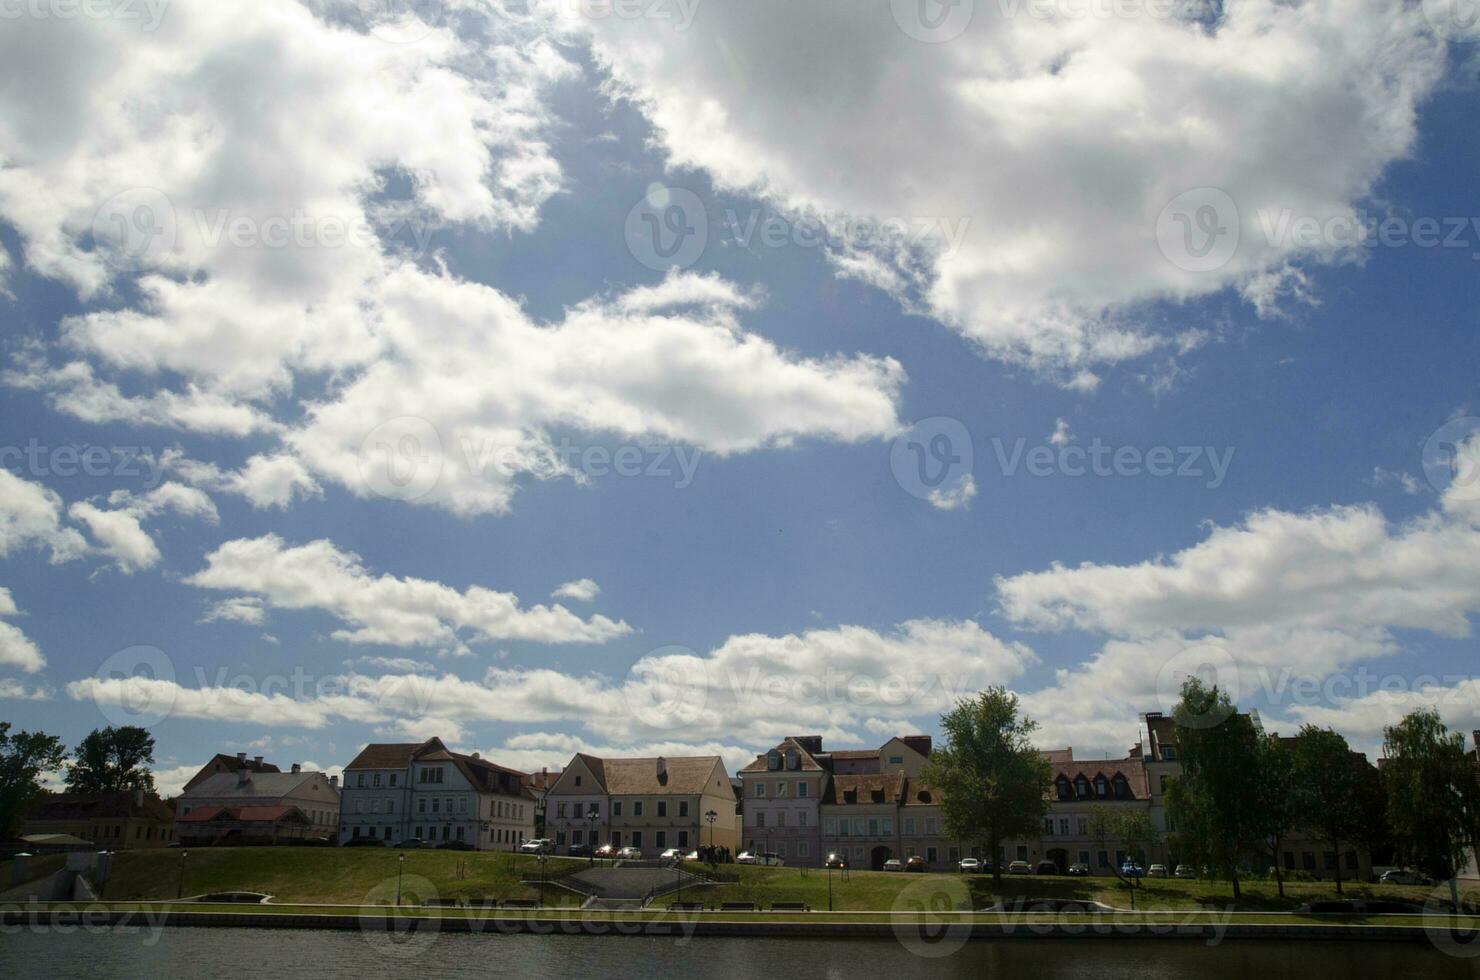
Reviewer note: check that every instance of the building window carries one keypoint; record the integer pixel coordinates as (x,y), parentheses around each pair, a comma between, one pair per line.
(909,825)
(375,780)
(1063,788)
(360,781)
(760,818)
(560,810)
(932,825)
(1169,752)
(436,804)
(1081,788)
(896,760)
(802,849)
(661,839)
(637,808)
(1022,852)
(760,790)
(683,808)
(637,839)
(802,818)
(873,827)
(1063,826)
(662,808)
(829,826)
(683,838)
(1048,826)
(780,789)
(801,791)
(1102,788)
(393,780)
(616,808)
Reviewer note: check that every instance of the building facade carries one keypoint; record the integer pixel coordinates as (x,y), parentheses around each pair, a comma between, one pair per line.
(652,804)
(212,808)
(781,799)
(399,791)
(121,821)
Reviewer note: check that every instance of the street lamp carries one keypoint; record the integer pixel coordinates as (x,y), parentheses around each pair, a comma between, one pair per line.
(591,814)
(542,858)
(829,863)
(400,868)
(711,816)
(180,892)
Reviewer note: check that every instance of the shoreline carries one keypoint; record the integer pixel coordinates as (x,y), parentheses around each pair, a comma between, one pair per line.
(1210,929)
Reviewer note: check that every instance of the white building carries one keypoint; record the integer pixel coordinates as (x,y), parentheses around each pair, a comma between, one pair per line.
(395,791)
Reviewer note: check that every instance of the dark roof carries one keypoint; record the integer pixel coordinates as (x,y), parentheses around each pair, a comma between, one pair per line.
(920,743)
(864,789)
(121,805)
(854,754)
(1131,767)
(808,756)
(245,814)
(920,793)
(221,762)
(682,776)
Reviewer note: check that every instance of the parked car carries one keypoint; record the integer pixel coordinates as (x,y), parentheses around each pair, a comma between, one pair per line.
(969,866)
(1402,876)
(1079,869)
(894,864)
(1185,871)
(914,863)
(672,854)
(1157,871)
(410,844)
(691,856)
(606,851)
(1131,869)
(579,850)
(1047,868)
(455,845)
(836,861)
(364,842)
(537,845)
(1020,868)
(630,853)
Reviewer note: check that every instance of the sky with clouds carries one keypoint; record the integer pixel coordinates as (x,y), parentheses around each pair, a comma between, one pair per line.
(677,375)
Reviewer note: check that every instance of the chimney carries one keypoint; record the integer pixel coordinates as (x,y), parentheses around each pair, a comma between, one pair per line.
(241,757)
(257,761)
(662,769)
(297,768)
(333,782)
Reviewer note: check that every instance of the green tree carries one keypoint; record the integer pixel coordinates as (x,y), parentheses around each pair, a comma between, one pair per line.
(1329,782)
(1433,799)
(24,756)
(1134,831)
(1215,801)
(992,781)
(1277,805)
(112,759)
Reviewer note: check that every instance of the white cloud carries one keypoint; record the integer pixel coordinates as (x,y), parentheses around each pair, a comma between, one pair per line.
(13,690)
(580,590)
(957,495)
(1056,143)
(31,517)
(16,649)
(385,609)
(264,480)
(120,532)
(240,609)
(1061,436)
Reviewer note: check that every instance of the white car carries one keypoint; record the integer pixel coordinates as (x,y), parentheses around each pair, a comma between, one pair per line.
(1157,871)
(537,845)
(894,864)
(969,866)
(630,853)
(768,858)
(672,854)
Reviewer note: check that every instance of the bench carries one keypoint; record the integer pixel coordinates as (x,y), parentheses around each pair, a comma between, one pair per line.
(519,903)
(441,902)
(687,906)
(737,907)
(790,907)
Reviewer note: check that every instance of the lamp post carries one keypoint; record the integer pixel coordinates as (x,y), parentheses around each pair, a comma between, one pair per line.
(711,817)
(829,882)
(180,891)
(591,814)
(542,858)
(400,868)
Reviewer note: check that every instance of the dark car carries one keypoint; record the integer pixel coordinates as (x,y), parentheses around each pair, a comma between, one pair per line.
(915,863)
(364,842)
(454,845)
(411,844)
(836,861)
(579,850)
(1047,868)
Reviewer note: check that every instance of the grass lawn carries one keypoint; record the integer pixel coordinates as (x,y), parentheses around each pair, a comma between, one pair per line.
(326,874)
(882,891)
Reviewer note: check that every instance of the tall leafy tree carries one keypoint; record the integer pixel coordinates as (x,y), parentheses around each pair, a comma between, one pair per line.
(24,756)
(993,782)
(1277,804)
(1433,799)
(1133,830)
(1215,801)
(112,759)
(1329,783)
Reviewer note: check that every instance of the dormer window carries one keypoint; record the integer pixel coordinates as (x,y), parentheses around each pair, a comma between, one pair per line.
(1081,788)
(1122,788)
(1102,788)
(773,760)
(1065,792)
(793,759)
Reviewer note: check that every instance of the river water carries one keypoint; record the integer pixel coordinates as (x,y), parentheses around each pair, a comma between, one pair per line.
(253,953)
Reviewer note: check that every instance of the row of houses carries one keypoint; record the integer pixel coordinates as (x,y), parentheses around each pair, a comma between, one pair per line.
(796,800)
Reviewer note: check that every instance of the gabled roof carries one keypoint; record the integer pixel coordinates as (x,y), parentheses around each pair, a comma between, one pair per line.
(384,755)
(221,762)
(484,775)
(227,785)
(245,814)
(917,792)
(121,805)
(799,744)
(1131,767)
(686,776)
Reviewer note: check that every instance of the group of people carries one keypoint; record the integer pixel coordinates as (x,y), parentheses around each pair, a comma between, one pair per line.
(715,855)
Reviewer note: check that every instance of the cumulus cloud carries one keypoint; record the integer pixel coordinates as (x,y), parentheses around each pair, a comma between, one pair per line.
(1061,147)
(16,649)
(31,517)
(264,480)
(119,530)
(241,609)
(581,590)
(384,609)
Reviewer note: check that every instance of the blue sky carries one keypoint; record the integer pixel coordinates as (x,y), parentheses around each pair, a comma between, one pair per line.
(790,376)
